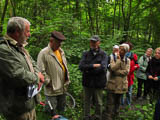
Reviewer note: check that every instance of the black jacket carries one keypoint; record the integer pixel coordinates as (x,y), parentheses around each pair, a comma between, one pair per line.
(154,70)
(94,77)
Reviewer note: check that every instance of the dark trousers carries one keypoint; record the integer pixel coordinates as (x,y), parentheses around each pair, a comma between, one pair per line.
(112,106)
(146,88)
(55,104)
(89,94)
(157,110)
(31,115)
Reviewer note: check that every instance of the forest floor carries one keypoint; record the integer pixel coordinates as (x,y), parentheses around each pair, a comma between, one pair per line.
(140,109)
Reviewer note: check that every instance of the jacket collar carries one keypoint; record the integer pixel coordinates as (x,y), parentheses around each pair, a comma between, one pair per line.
(12,41)
(51,51)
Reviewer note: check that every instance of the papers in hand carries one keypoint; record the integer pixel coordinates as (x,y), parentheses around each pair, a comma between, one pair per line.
(33,90)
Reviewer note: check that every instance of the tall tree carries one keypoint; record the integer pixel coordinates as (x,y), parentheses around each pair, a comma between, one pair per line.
(3,16)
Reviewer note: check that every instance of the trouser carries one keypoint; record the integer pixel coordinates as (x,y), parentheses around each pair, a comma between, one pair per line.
(112,106)
(157,110)
(89,93)
(58,104)
(146,88)
(128,96)
(31,115)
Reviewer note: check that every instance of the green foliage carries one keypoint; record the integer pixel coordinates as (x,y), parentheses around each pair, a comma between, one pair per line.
(78,20)
(140,112)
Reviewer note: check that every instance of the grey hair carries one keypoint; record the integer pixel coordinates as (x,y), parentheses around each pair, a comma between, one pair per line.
(15,23)
(149,49)
(126,47)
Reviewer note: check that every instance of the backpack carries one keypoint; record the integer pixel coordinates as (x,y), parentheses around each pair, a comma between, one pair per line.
(130,55)
(114,58)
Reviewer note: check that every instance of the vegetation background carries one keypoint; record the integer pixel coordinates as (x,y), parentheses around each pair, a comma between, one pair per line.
(115,21)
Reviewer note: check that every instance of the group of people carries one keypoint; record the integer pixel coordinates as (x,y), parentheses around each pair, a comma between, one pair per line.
(21,77)
(113,73)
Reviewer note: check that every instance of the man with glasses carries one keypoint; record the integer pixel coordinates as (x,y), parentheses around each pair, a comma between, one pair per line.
(52,63)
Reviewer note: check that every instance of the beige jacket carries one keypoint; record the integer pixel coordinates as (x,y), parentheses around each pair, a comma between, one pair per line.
(55,81)
(118,79)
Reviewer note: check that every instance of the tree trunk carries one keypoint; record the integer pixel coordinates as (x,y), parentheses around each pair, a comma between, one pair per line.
(13,4)
(3,15)
(119,15)
(126,19)
(113,21)
(90,17)
(97,18)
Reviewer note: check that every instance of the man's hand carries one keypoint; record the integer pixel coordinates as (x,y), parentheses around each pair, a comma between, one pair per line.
(40,85)
(41,77)
(118,55)
(96,65)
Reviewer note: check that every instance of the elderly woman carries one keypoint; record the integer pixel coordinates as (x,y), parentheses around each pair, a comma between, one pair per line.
(117,84)
(153,72)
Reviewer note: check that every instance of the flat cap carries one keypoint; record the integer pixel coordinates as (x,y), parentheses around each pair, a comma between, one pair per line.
(58,35)
(95,38)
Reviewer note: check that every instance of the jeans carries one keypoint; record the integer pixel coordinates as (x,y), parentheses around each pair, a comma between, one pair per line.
(128,96)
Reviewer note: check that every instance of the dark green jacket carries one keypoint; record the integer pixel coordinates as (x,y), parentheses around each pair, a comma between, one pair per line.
(15,77)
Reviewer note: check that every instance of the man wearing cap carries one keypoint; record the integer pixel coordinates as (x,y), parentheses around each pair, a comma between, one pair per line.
(53,64)
(93,66)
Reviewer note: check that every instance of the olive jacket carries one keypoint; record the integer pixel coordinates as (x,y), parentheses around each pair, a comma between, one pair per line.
(15,77)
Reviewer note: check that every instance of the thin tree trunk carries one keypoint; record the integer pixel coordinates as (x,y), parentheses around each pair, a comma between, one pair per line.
(97,18)
(113,21)
(90,18)
(119,15)
(3,16)
(150,33)
(13,4)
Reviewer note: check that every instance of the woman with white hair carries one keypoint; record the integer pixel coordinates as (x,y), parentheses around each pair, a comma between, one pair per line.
(117,84)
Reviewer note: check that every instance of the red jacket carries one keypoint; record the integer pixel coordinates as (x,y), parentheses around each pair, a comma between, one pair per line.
(133,66)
